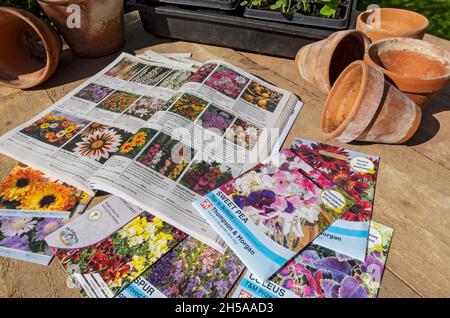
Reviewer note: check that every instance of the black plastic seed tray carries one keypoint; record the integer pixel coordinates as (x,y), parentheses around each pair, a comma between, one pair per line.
(344,13)
(222,29)
(211,4)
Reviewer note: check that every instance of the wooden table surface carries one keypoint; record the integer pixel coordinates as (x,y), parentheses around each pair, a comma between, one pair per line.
(413,190)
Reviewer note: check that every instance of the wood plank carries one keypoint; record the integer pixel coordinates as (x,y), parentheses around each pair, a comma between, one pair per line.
(394,287)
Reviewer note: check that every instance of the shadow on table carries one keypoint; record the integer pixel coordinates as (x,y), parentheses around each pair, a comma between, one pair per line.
(430,126)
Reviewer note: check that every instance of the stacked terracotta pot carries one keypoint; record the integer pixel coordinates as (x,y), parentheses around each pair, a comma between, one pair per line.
(376,91)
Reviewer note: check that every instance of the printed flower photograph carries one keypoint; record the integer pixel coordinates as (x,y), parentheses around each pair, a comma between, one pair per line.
(26,188)
(98,142)
(202,73)
(27,234)
(125,69)
(167,156)
(202,176)
(262,96)
(55,128)
(189,106)
(216,120)
(283,202)
(118,102)
(194,270)
(334,163)
(243,134)
(175,80)
(145,108)
(227,81)
(94,93)
(136,143)
(126,254)
(318,272)
(151,75)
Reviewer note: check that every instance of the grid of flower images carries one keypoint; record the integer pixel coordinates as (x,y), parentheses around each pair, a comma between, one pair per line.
(118,102)
(320,272)
(227,81)
(262,96)
(125,69)
(94,93)
(334,163)
(284,203)
(127,253)
(55,128)
(194,270)
(98,142)
(167,156)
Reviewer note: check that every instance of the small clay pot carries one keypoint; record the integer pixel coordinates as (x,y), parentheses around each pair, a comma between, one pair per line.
(363,105)
(418,68)
(30,49)
(384,23)
(321,63)
(100,30)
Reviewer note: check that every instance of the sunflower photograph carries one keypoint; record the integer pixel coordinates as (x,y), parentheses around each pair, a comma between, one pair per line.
(98,142)
(26,188)
(118,102)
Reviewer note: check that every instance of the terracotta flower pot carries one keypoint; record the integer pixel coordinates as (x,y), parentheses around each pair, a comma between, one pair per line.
(384,23)
(321,63)
(30,49)
(418,68)
(363,105)
(101,28)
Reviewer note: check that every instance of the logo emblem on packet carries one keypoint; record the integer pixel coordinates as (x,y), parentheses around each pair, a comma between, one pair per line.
(206,204)
(362,165)
(95,215)
(68,237)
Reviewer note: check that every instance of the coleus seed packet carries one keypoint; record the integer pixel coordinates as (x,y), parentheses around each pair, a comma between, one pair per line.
(110,245)
(190,270)
(32,206)
(318,272)
(354,172)
(270,213)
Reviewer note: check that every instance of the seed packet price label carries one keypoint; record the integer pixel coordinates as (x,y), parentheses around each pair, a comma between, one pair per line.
(362,165)
(333,200)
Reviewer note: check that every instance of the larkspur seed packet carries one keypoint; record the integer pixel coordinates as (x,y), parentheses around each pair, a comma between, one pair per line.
(270,213)
(318,272)
(355,173)
(190,270)
(111,245)
(32,206)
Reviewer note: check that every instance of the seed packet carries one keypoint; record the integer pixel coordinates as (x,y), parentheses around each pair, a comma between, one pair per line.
(270,213)
(111,245)
(319,272)
(354,172)
(32,206)
(190,270)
